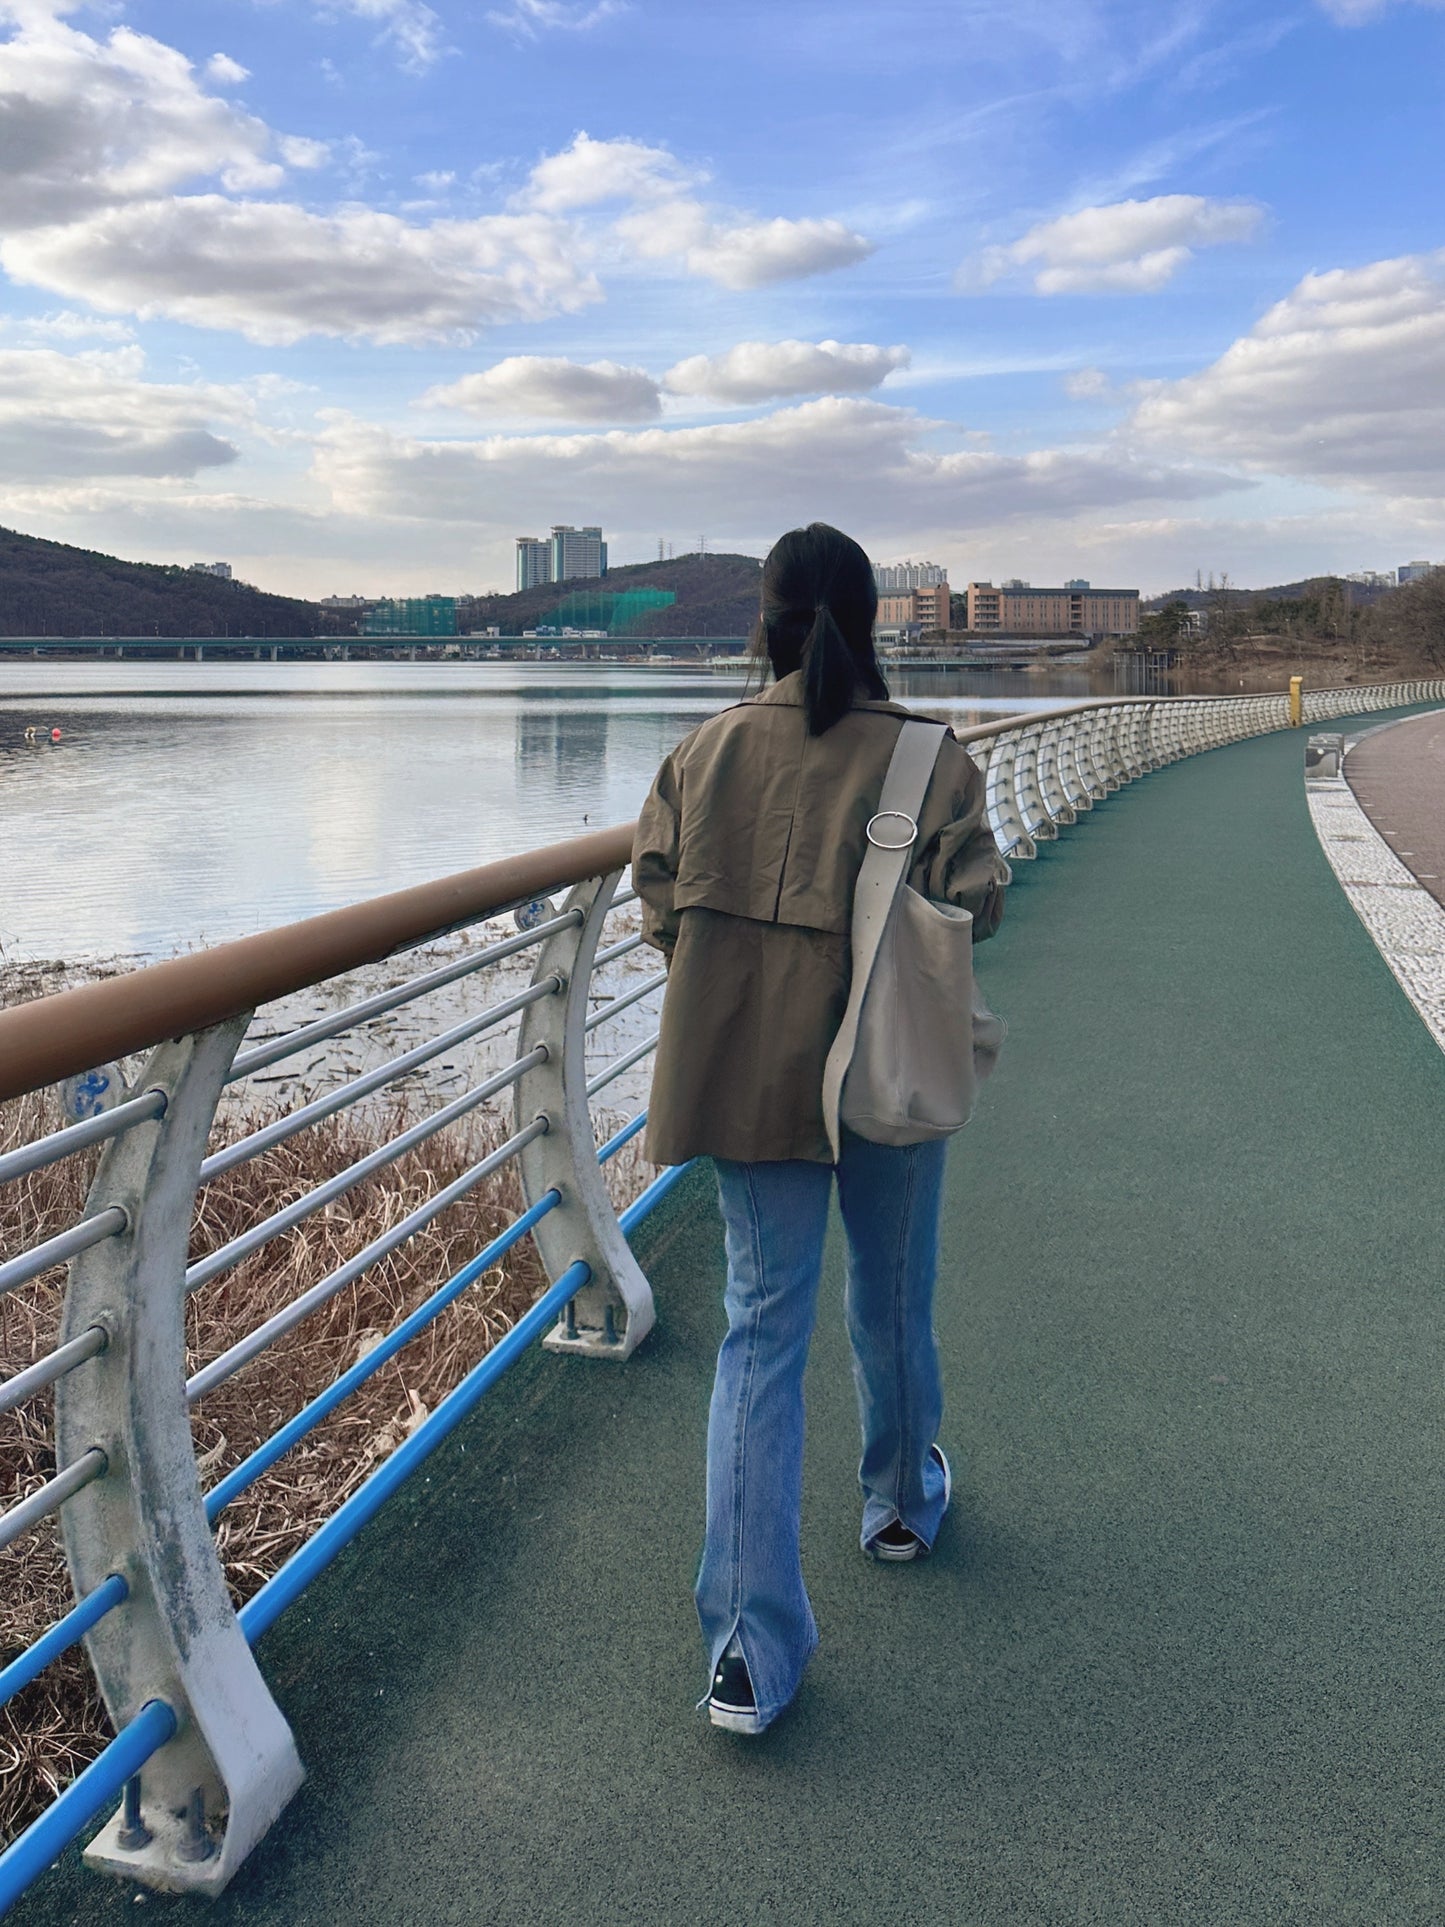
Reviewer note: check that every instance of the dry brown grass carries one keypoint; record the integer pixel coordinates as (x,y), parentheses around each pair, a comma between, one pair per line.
(58,1723)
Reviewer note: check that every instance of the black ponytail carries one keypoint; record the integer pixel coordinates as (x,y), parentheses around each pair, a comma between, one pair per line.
(818,608)
(829,676)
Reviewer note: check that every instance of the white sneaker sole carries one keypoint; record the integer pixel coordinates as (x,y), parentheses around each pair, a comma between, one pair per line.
(732,1720)
(899,1555)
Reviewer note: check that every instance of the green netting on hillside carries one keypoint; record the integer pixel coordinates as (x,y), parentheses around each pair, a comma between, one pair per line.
(618,612)
(432,615)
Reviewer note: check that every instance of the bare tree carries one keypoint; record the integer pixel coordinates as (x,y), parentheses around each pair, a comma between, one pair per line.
(1411,619)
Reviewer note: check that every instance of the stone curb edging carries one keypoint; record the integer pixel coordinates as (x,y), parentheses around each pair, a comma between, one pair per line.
(1405,922)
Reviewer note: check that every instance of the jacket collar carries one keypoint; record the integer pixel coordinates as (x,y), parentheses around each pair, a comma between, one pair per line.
(787,691)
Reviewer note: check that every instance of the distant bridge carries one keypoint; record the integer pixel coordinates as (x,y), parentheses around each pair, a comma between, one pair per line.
(347,648)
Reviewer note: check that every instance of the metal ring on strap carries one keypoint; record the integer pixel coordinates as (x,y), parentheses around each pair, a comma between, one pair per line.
(895,816)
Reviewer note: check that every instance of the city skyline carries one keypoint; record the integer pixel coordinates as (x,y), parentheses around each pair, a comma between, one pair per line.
(1102,289)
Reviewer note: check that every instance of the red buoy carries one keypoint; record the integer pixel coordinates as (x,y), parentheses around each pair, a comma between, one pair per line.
(55,735)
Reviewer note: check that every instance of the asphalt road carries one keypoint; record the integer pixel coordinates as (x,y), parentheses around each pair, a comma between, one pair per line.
(1398,777)
(1177,1656)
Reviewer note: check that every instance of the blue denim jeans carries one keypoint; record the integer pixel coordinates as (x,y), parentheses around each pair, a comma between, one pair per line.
(750,1583)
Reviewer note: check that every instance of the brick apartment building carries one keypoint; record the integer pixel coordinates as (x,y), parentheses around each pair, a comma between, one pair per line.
(914,610)
(1077,609)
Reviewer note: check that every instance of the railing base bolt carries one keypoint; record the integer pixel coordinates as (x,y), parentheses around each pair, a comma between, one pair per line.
(133,1833)
(197,1844)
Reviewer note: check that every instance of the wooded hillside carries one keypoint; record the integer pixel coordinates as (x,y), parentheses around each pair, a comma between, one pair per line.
(51,589)
(1364,626)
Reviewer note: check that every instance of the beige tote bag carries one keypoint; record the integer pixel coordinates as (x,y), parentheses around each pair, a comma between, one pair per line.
(916,1039)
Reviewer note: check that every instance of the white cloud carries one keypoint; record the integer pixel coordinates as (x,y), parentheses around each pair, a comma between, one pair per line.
(755,371)
(1353,13)
(86,124)
(666,221)
(525,386)
(1124,247)
(850,461)
(99,136)
(1342,382)
(298,151)
(757,253)
(91,416)
(590,171)
(750,254)
(413,29)
(225,71)
(437,180)
(529,386)
(531,18)
(275,272)
(65,324)
(1083,384)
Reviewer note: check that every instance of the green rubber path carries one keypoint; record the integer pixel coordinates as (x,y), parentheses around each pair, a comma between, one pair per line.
(1177,1657)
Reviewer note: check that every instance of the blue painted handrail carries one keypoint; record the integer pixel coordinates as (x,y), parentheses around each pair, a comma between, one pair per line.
(64,1634)
(46,1838)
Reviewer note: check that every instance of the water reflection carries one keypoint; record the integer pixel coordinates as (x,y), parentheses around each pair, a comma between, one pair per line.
(193,802)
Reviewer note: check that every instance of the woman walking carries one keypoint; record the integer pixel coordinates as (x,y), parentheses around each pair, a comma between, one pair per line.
(747,853)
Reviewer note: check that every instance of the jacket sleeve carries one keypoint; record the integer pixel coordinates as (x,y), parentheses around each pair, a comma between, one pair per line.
(654,859)
(960,863)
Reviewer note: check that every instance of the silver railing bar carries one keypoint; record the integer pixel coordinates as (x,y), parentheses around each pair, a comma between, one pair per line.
(52,1495)
(60,1249)
(246,1148)
(616,950)
(202,1272)
(622,1064)
(45,1371)
(635,996)
(324,1027)
(79,1137)
(621,900)
(256,1342)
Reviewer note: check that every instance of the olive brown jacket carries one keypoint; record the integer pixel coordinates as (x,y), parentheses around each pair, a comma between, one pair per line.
(746,856)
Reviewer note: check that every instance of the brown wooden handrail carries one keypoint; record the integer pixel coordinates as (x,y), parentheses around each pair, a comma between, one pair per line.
(49,1038)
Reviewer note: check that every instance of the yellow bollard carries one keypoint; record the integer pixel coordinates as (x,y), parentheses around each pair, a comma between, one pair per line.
(1296,701)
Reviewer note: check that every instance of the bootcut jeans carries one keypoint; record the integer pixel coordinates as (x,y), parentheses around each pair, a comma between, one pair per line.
(750,1582)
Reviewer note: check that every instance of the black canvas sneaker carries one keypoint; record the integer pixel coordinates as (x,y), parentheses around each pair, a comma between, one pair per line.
(895,1541)
(731,1703)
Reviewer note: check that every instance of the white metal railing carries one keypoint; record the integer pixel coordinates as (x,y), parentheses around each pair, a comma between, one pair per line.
(172,1657)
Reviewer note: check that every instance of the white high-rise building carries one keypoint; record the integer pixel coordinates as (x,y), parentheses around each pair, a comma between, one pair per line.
(577,553)
(1415,571)
(897,578)
(534,561)
(222,570)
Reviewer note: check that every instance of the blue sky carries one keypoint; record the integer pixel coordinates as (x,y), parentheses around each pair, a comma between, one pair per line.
(350,294)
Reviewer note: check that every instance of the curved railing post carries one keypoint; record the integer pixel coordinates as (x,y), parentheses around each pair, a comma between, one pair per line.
(210,1793)
(613,1312)
(1140,756)
(1055,753)
(1028,798)
(1004,817)
(1146,755)
(1119,747)
(1092,752)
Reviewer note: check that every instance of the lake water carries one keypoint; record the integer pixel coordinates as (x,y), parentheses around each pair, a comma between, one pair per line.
(190,802)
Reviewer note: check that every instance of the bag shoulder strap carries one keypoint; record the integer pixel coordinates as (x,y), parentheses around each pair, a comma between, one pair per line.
(885,864)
